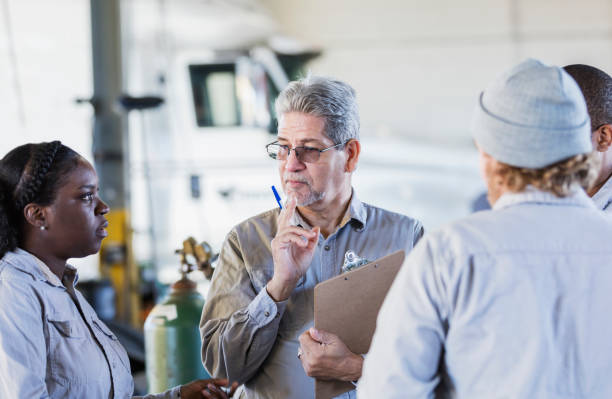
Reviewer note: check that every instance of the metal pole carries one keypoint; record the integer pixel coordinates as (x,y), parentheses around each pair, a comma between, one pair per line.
(110,150)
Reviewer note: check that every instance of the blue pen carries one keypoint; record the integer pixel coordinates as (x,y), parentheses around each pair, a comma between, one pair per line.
(278,198)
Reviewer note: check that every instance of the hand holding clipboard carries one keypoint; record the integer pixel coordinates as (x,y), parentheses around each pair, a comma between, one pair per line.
(353,321)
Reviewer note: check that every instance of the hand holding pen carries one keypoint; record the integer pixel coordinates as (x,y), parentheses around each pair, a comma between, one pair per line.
(292,250)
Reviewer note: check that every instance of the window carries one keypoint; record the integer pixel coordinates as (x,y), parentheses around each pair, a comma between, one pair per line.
(214,94)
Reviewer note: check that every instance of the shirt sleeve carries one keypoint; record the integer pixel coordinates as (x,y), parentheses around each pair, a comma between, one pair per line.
(23,359)
(238,325)
(404,357)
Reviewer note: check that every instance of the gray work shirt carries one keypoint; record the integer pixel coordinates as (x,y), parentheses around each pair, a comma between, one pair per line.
(509,303)
(603,197)
(52,343)
(246,336)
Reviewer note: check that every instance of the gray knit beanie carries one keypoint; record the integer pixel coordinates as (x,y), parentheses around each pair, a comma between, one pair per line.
(532,116)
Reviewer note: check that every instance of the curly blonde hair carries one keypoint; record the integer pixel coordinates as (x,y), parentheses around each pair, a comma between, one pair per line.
(558,178)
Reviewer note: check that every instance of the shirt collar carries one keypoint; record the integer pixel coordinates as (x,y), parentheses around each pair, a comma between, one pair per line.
(532,195)
(356,213)
(28,263)
(603,196)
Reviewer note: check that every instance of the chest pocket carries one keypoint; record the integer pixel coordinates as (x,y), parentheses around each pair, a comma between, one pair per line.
(112,343)
(65,348)
(66,328)
(118,359)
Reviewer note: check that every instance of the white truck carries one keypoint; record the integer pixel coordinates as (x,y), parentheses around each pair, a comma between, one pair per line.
(199,160)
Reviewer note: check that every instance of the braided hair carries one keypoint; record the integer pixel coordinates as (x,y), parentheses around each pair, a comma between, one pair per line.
(31,173)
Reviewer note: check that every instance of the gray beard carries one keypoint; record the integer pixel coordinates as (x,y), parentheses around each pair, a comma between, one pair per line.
(313,197)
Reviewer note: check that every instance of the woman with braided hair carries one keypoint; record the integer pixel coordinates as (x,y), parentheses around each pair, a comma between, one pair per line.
(52,343)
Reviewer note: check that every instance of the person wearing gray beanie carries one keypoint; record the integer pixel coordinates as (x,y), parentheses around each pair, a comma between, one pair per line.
(530,122)
(532,116)
(510,302)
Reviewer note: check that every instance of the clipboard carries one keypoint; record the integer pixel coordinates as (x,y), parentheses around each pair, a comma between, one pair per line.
(347,305)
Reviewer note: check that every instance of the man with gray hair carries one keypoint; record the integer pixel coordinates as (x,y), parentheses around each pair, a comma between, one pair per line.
(257,324)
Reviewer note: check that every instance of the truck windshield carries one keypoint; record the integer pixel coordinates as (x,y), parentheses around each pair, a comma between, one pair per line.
(214,94)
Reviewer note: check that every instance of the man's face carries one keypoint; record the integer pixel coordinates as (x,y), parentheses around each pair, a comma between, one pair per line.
(312,183)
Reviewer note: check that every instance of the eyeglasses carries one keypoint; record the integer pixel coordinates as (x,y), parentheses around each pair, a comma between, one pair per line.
(281,152)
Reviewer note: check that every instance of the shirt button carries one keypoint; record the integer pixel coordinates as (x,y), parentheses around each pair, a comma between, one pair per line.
(326,247)
(267,314)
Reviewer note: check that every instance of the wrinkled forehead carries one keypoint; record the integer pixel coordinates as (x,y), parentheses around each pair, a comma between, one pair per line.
(301,128)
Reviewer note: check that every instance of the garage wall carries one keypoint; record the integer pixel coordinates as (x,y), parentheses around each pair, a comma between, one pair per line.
(45,64)
(418,66)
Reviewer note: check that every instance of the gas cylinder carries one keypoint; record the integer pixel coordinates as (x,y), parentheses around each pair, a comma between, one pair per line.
(172,336)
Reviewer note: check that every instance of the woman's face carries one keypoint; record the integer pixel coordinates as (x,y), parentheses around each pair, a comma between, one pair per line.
(75,220)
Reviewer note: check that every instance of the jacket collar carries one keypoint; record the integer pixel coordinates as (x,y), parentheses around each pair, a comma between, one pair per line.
(30,264)
(532,195)
(603,197)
